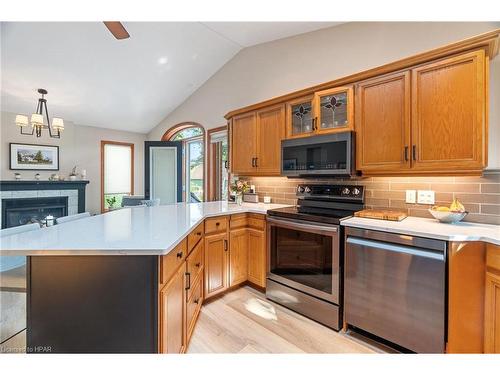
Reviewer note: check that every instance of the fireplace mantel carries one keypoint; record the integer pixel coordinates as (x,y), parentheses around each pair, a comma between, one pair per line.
(27,185)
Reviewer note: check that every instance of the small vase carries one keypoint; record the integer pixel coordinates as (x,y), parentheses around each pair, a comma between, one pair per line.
(239,199)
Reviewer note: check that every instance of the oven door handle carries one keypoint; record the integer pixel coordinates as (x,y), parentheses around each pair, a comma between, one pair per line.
(299,224)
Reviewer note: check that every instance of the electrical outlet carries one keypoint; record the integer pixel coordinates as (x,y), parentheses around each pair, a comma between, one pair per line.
(411,196)
(425,197)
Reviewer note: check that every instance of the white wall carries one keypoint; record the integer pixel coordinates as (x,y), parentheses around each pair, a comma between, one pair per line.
(79,145)
(276,68)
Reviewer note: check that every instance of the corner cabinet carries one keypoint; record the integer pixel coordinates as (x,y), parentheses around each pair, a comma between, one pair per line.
(256,142)
(326,111)
(425,120)
(492,300)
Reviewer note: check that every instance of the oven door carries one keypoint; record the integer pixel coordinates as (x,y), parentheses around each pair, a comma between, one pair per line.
(304,256)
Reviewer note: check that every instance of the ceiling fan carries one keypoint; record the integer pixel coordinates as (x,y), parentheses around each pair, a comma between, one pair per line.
(117,29)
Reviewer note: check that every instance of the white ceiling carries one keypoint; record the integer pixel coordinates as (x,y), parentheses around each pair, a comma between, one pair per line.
(94,79)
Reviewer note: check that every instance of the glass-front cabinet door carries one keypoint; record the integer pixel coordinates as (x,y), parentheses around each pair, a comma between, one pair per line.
(333,110)
(299,117)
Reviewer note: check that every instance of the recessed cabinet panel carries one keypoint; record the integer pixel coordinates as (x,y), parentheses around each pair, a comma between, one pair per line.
(448,109)
(383,123)
(270,132)
(243,143)
(257,257)
(216,264)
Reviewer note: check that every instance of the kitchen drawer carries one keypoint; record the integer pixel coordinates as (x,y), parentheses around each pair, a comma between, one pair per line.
(194,237)
(216,224)
(194,264)
(238,221)
(193,307)
(493,257)
(170,263)
(257,222)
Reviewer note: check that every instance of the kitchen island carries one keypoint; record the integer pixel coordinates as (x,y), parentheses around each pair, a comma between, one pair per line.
(92,284)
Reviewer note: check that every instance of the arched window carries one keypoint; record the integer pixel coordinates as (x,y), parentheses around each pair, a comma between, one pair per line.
(192,136)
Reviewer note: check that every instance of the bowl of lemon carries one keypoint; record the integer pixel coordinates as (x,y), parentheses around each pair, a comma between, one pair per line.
(453,214)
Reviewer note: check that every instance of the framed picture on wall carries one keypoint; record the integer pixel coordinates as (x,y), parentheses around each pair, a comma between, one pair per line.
(34,157)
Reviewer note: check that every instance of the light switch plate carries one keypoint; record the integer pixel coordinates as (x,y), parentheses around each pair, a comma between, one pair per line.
(411,196)
(425,197)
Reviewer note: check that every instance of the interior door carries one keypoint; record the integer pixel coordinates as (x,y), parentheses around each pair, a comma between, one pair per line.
(163,171)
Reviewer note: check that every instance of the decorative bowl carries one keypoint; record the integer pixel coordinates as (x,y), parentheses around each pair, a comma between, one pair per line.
(448,216)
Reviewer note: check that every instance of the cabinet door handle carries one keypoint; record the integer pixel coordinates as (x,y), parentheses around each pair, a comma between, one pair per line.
(406,153)
(179,254)
(198,265)
(414,152)
(196,301)
(312,123)
(256,162)
(253,162)
(198,233)
(225,245)
(188,281)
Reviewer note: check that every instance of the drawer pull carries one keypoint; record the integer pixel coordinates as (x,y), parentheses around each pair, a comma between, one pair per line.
(179,254)
(217,224)
(188,281)
(196,301)
(198,264)
(198,233)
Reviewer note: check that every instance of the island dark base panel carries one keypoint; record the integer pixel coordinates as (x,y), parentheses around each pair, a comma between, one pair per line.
(92,304)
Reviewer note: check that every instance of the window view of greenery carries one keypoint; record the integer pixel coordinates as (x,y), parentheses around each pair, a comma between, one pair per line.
(187,133)
(113,200)
(195,166)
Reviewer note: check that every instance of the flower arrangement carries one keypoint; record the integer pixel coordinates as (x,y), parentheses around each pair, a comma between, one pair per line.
(240,187)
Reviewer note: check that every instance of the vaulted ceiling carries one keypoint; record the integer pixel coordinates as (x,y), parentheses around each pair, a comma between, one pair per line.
(131,84)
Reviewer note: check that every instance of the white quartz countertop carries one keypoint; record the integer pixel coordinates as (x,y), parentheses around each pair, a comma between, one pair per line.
(430,228)
(128,231)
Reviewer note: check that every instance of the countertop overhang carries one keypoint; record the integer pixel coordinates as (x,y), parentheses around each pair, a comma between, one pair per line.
(127,231)
(431,228)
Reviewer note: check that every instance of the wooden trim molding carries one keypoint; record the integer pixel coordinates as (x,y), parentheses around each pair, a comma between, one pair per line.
(131,145)
(181,126)
(488,41)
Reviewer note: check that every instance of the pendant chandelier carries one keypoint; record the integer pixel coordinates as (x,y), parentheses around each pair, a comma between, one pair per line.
(37,121)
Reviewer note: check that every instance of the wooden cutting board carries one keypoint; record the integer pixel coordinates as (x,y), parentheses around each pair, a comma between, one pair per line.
(391,215)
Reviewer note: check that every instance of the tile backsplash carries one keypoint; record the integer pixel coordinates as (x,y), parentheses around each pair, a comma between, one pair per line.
(480,195)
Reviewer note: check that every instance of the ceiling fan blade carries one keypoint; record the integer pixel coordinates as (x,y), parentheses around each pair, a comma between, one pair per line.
(117,29)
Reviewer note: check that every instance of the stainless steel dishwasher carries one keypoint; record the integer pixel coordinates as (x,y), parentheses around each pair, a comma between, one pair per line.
(395,288)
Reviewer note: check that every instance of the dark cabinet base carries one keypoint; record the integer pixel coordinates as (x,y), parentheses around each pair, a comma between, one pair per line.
(92,304)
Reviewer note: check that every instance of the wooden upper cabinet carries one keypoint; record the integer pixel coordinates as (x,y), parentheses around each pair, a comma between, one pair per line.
(270,132)
(382,118)
(333,110)
(448,114)
(299,117)
(256,142)
(172,315)
(243,143)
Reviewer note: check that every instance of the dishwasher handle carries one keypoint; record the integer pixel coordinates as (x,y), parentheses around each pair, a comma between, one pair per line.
(416,251)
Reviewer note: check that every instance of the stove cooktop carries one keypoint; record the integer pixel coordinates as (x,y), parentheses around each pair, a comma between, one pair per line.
(295,212)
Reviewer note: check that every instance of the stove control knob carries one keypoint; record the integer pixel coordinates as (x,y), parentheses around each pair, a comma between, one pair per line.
(307,189)
(300,189)
(345,191)
(356,191)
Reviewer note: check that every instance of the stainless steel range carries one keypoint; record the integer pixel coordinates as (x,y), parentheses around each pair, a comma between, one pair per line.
(306,250)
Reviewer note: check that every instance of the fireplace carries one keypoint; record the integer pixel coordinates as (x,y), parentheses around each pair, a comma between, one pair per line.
(22,211)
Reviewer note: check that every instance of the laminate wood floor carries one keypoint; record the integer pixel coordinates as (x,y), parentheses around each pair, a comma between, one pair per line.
(243,321)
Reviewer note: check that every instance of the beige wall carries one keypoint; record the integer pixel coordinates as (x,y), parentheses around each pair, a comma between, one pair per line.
(276,68)
(79,145)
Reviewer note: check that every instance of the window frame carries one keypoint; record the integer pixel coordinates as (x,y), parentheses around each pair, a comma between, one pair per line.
(211,162)
(170,134)
(132,156)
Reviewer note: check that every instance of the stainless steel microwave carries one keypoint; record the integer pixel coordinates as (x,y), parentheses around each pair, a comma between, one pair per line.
(320,155)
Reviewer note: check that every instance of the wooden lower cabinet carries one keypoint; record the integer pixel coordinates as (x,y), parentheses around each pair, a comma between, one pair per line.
(216,264)
(257,257)
(238,256)
(492,301)
(193,307)
(171,314)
